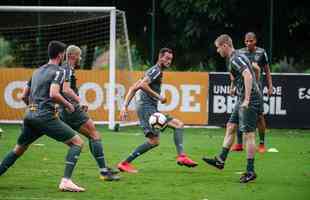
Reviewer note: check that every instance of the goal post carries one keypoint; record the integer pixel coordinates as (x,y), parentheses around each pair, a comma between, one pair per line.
(74,17)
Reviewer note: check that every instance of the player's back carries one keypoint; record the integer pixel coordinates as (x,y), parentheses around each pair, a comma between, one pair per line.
(71,79)
(41,80)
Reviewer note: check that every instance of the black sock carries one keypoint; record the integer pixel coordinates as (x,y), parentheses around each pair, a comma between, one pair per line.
(250,165)
(96,149)
(7,162)
(140,150)
(71,159)
(261,137)
(224,153)
(239,137)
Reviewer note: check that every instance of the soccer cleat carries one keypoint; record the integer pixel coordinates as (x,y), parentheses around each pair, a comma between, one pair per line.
(109,175)
(126,167)
(236,147)
(261,148)
(113,170)
(247,177)
(66,185)
(186,161)
(215,162)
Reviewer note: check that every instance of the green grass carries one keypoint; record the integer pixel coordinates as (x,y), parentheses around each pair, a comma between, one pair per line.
(283,175)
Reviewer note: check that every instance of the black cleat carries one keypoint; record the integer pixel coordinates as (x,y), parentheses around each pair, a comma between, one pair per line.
(247,177)
(109,175)
(113,170)
(215,162)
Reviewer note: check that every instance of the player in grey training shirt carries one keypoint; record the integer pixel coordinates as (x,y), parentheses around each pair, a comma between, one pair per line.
(246,110)
(148,95)
(42,94)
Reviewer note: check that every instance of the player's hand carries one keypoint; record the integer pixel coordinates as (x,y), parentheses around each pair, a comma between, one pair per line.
(162,99)
(124,114)
(84,108)
(70,108)
(245,103)
(232,91)
(269,91)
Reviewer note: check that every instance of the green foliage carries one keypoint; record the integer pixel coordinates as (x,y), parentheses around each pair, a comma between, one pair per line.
(6,58)
(287,65)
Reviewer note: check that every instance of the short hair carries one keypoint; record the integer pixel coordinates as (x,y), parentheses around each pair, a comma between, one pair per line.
(224,39)
(250,34)
(164,50)
(55,48)
(72,49)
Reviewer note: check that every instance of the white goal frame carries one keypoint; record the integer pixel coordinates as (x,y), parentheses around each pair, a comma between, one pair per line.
(112,50)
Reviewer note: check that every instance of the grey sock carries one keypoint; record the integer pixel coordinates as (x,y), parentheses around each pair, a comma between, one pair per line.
(178,140)
(71,159)
(96,149)
(7,162)
(140,150)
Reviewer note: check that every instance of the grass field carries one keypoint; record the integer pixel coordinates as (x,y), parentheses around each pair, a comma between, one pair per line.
(281,176)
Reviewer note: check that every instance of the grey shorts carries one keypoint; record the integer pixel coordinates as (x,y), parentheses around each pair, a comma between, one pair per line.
(76,119)
(144,113)
(245,117)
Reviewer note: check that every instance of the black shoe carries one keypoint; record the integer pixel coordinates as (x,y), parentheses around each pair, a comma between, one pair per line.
(215,162)
(108,175)
(113,170)
(247,177)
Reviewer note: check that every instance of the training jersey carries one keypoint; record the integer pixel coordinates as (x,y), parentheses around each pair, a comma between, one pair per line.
(71,78)
(259,56)
(238,62)
(155,75)
(40,84)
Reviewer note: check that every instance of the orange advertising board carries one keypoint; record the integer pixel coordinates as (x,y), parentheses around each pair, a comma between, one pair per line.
(187,93)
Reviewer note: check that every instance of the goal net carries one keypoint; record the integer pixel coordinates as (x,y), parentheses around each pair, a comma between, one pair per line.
(101,32)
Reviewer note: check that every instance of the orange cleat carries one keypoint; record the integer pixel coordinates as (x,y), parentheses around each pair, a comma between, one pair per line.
(236,147)
(186,161)
(261,148)
(127,167)
(66,185)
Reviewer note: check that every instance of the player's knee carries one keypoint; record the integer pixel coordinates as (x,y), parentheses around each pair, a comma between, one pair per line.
(77,140)
(95,135)
(231,128)
(180,124)
(20,150)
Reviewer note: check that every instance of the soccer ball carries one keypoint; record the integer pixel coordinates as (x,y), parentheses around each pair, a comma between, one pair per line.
(158,120)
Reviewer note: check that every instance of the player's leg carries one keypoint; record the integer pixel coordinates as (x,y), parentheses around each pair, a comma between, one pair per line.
(231,127)
(178,127)
(58,130)
(152,140)
(261,126)
(28,135)
(96,148)
(238,146)
(248,120)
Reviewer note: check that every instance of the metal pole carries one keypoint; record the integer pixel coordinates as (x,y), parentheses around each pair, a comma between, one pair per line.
(153,32)
(271,30)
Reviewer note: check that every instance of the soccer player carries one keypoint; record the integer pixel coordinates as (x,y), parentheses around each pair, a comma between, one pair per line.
(79,120)
(259,60)
(148,94)
(41,94)
(246,110)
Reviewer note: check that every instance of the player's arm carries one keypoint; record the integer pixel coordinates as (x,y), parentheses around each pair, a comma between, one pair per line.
(248,79)
(269,79)
(55,91)
(257,70)
(130,94)
(26,92)
(145,86)
(268,74)
(232,88)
